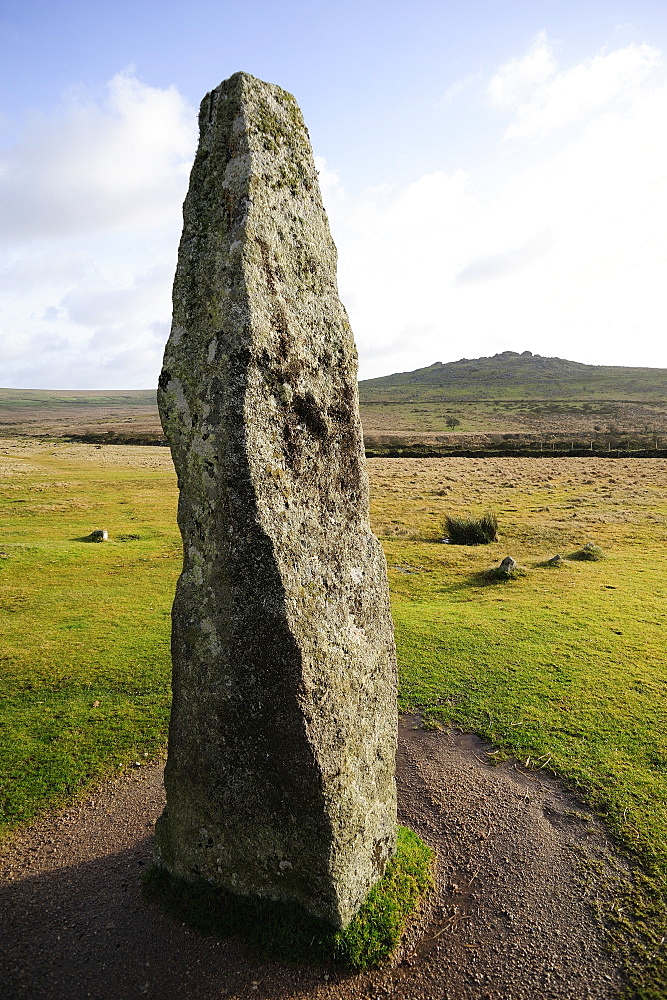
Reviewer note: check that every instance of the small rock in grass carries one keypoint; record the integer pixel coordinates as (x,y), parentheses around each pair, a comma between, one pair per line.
(99,535)
(556,560)
(508,566)
(509,569)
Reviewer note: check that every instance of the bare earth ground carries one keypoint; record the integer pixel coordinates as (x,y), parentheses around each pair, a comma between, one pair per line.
(512,917)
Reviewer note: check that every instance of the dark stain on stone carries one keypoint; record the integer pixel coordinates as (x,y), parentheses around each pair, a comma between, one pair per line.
(309,413)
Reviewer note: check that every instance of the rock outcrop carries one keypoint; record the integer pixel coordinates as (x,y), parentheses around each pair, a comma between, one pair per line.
(280,774)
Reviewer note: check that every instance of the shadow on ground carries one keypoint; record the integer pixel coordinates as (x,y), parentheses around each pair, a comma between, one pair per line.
(511,920)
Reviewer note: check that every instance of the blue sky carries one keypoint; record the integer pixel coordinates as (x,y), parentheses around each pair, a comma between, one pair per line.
(495,174)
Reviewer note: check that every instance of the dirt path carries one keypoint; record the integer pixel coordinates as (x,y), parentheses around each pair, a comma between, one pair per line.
(511,921)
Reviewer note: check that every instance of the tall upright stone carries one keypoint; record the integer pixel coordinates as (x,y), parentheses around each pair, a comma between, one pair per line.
(280,774)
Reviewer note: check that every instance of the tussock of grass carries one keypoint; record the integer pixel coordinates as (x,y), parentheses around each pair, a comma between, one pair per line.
(508,570)
(589,553)
(284,931)
(488,577)
(472,531)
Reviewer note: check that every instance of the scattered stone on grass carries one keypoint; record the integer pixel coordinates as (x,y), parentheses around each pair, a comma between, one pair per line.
(99,535)
(280,777)
(508,567)
(555,561)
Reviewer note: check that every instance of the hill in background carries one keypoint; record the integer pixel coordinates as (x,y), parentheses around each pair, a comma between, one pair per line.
(509,400)
(517,376)
(516,401)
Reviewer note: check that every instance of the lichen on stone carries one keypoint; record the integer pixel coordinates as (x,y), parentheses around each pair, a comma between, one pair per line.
(283,728)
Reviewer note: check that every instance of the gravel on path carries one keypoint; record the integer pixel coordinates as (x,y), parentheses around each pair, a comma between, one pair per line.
(512,915)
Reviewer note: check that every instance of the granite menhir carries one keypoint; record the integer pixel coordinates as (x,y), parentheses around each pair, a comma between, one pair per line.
(281,769)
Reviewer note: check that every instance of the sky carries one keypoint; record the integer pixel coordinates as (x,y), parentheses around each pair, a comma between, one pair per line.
(495,175)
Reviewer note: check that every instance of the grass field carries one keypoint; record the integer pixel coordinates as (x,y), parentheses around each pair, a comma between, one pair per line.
(600,421)
(61,414)
(564,667)
(85,627)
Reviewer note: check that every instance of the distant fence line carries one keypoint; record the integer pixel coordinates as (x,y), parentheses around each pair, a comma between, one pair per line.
(484,451)
(505,449)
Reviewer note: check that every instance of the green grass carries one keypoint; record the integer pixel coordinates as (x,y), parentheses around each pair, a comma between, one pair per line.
(282,930)
(588,553)
(375,932)
(564,668)
(84,654)
(18,399)
(557,697)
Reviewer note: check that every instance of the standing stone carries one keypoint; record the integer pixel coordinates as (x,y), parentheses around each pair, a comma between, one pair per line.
(281,771)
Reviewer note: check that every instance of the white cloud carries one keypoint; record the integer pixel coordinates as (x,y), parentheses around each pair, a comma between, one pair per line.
(44,267)
(91,198)
(565,254)
(504,262)
(106,306)
(75,333)
(545,100)
(517,79)
(88,168)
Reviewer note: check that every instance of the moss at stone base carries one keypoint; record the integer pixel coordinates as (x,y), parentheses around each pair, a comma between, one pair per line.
(376,931)
(287,932)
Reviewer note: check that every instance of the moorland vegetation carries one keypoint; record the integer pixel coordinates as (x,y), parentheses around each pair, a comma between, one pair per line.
(507,404)
(564,667)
